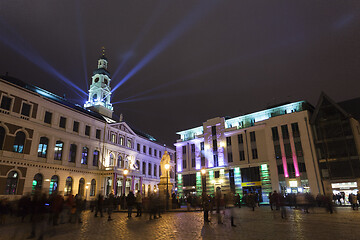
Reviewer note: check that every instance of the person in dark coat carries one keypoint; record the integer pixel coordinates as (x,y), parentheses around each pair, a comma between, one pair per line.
(206,206)
(110,204)
(99,205)
(130,201)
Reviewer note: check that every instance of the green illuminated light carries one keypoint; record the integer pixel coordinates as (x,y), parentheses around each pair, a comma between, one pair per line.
(264,167)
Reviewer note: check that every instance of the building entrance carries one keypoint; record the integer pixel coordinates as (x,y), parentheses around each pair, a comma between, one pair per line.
(253,189)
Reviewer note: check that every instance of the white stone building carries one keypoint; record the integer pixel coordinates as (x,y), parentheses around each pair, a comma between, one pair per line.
(49,143)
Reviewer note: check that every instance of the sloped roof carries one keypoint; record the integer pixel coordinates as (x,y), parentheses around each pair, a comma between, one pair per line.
(51,96)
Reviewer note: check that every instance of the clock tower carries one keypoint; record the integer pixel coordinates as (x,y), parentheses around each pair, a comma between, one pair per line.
(100,90)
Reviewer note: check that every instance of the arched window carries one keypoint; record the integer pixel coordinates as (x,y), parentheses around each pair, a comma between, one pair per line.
(43,146)
(11,183)
(96,158)
(111,159)
(94,97)
(72,153)
(59,145)
(84,155)
(137,165)
(19,142)
(54,183)
(92,187)
(68,186)
(37,182)
(120,163)
(81,187)
(2,137)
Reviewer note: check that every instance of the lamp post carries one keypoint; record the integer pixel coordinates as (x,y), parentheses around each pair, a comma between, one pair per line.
(125,172)
(203,179)
(167,167)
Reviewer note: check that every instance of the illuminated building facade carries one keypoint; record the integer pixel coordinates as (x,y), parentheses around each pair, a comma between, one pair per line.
(49,143)
(258,152)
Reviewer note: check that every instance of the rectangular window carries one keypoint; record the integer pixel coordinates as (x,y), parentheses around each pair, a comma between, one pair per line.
(230,157)
(202,160)
(62,122)
(285,131)
(184,163)
(251,174)
(216,160)
(5,103)
(25,110)
(228,141)
(87,130)
(298,148)
(150,151)
(202,146)
(215,148)
(217,174)
(277,151)
(96,158)
(192,148)
(254,153)
(155,152)
(240,139)
(48,117)
(160,154)
(138,147)
(193,164)
(98,133)
(295,130)
(213,130)
(113,137)
(144,168)
(155,168)
(144,149)
(149,170)
(288,150)
(252,137)
(184,149)
(275,134)
(242,155)
(76,126)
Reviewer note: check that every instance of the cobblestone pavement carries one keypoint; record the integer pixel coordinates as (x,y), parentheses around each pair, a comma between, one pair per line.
(260,224)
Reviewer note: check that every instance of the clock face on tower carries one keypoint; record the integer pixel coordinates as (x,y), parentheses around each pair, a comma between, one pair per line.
(96,80)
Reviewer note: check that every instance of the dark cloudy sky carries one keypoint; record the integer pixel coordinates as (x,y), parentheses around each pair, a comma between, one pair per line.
(186,61)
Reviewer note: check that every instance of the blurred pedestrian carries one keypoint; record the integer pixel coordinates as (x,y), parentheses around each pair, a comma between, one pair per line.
(99,205)
(130,201)
(206,206)
(110,204)
(138,204)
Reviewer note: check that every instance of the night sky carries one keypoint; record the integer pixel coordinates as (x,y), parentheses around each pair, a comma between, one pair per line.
(183,62)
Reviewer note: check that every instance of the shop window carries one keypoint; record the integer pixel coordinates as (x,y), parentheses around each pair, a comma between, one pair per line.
(37,183)
(54,184)
(11,183)
(93,187)
(68,186)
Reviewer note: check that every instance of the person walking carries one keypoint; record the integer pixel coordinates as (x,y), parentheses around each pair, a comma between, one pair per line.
(206,206)
(110,204)
(99,205)
(130,201)
(138,204)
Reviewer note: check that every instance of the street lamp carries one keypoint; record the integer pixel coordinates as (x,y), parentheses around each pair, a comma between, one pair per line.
(203,180)
(167,167)
(125,172)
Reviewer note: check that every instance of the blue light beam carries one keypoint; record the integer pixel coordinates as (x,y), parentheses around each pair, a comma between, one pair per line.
(129,54)
(18,44)
(82,41)
(196,14)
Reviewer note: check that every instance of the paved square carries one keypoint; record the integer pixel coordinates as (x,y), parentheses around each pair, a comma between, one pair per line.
(260,224)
